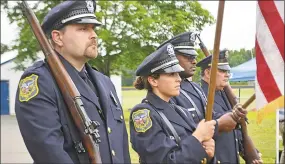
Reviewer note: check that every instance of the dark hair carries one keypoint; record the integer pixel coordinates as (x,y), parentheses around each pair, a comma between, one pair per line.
(203,71)
(141,82)
(48,34)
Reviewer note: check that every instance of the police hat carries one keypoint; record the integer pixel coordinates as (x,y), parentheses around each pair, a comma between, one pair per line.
(223,63)
(162,60)
(183,43)
(70,12)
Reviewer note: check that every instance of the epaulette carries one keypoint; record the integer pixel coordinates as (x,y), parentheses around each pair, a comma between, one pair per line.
(35,65)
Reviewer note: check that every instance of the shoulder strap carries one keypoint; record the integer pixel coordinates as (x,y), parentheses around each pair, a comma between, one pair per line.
(170,127)
(78,145)
(200,92)
(168,124)
(193,103)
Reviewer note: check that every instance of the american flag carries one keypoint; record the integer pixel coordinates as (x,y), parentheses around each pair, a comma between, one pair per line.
(269,48)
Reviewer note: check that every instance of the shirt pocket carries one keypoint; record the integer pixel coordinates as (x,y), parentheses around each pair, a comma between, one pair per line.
(116,109)
(117,113)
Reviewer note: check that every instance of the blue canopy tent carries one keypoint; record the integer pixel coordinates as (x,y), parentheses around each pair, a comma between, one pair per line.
(244,72)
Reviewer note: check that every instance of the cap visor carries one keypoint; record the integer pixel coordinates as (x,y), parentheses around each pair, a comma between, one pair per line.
(224,67)
(187,52)
(88,21)
(174,68)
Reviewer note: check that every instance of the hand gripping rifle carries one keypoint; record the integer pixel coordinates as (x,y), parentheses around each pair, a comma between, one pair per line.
(87,128)
(250,153)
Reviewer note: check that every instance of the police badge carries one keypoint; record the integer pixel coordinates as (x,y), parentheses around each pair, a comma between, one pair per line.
(227,54)
(142,121)
(28,88)
(90,7)
(192,37)
(170,51)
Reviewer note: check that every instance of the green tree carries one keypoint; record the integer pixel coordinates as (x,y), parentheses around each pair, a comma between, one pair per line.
(237,57)
(131,29)
(4,48)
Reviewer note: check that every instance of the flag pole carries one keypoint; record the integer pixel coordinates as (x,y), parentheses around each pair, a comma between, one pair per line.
(214,64)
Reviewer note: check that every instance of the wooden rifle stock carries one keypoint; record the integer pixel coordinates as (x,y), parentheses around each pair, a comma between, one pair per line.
(250,153)
(203,46)
(87,128)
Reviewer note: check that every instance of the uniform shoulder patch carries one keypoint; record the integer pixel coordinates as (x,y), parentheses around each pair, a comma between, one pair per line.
(28,88)
(141,119)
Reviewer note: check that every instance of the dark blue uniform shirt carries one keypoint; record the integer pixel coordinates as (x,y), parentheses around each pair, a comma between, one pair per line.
(151,139)
(43,124)
(228,144)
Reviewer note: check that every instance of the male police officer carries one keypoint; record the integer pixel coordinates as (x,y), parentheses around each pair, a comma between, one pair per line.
(228,145)
(43,118)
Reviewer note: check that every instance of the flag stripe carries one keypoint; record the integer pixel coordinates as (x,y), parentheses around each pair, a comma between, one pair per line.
(274,22)
(267,84)
(280,7)
(270,51)
(261,100)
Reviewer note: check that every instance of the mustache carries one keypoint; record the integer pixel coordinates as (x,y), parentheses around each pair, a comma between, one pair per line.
(93,42)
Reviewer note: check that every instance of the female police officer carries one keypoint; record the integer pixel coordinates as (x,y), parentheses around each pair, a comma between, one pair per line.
(162,132)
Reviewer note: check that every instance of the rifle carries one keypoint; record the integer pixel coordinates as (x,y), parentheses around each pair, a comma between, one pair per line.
(88,129)
(249,149)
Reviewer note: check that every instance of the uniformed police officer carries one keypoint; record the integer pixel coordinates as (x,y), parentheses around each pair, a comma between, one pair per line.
(191,94)
(228,145)
(44,121)
(162,132)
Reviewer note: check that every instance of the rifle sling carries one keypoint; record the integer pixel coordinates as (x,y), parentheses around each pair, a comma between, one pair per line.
(169,125)
(193,103)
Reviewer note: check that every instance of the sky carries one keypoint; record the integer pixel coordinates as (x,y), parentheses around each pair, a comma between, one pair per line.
(238,29)
(239,25)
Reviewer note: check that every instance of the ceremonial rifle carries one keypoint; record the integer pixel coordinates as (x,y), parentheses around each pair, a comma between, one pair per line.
(88,129)
(250,152)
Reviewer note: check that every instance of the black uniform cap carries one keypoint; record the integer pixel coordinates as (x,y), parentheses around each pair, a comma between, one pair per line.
(69,12)
(162,60)
(223,63)
(183,43)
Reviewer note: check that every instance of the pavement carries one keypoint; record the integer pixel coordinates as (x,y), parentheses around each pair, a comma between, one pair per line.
(13,148)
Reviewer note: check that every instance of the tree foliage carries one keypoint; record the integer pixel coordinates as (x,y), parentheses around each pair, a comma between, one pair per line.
(237,57)
(131,29)
(4,48)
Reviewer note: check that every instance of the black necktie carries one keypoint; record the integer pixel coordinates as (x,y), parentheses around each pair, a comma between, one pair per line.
(84,76)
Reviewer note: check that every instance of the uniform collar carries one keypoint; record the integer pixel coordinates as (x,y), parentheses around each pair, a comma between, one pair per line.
(156,101)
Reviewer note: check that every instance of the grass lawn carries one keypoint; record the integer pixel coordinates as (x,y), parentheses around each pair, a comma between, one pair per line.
(263,135)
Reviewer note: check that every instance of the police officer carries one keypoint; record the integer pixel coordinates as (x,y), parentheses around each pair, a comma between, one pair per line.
(45,124)
(228,145)
(191,94)
(162,132)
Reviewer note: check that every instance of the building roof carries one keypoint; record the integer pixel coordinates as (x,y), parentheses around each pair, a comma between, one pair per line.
(8,57)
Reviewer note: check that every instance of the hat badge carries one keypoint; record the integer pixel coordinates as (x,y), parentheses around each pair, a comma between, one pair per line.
(227,54)
(89,5)
(192,37)
(170,50)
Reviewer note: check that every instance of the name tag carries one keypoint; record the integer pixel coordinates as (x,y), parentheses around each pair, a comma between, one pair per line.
(191,109)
